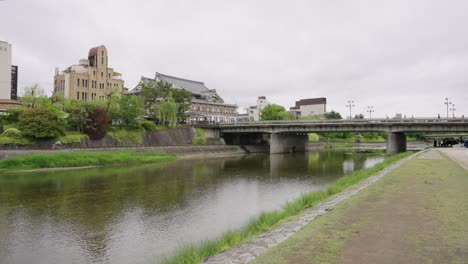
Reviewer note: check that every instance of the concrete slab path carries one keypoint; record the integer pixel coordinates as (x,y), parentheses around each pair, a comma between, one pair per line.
(417,213)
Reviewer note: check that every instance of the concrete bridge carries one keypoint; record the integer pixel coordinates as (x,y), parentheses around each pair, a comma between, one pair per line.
(287,136)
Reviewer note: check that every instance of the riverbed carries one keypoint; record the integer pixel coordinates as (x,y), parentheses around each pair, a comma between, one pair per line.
(140,214)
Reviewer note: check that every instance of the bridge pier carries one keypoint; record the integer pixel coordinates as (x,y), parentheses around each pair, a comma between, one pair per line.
(396,143)
(288,143)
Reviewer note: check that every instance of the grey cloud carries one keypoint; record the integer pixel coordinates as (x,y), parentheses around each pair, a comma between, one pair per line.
(399,56)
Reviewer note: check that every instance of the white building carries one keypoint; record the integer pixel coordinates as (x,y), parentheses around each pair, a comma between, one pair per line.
(8,78)
(309,107)
(255,111)
(5,70)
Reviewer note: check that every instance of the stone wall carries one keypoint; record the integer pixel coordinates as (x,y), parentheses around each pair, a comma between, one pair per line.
(181,136)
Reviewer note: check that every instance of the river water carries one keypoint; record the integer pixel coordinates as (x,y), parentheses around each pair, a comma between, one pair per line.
(138,214)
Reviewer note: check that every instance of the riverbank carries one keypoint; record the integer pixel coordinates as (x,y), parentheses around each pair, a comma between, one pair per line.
(414,214)
(269,220)
(82,159)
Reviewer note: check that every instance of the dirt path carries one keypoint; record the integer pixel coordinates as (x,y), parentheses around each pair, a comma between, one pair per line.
(417,213)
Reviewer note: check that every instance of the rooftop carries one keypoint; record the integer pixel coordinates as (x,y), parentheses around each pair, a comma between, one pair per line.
(194,87)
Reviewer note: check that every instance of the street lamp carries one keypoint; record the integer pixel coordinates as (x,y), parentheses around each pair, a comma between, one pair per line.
(447,103)
(453,110)
(350,105)
(370,110)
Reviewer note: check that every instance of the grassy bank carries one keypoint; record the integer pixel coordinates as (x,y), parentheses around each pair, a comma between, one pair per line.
(265,221)
(79,159)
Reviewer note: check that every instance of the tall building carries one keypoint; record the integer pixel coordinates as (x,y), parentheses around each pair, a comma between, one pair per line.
(309,107)
(91,79)
(8,78)
(5,70)
(206,104)
(256,110)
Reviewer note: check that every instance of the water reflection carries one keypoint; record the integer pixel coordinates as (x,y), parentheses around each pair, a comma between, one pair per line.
(137,214)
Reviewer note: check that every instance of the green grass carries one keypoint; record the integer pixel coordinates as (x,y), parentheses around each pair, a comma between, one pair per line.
(72,137)
(127,136)
(196,253)
(78,159)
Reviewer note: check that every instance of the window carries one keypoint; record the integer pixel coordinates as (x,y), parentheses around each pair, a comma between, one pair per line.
(102,74)
(83,83)
(78,82)
(102,60)
(77,95)
(94,73)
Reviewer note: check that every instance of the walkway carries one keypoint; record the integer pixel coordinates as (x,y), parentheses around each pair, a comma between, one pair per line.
(415,214)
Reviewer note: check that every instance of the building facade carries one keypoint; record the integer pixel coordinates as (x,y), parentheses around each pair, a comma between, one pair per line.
(309,107)
(91,79)
(8,78)
(206,104)
(256,110)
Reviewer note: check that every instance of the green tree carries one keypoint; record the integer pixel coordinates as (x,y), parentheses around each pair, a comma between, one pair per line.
(183,99)
(274,112)
(32,95)
(130,111)
(332,115)
(40,123)
(360,116)
(166,111)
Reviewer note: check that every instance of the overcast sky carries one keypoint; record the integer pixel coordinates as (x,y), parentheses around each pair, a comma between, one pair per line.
(399,56)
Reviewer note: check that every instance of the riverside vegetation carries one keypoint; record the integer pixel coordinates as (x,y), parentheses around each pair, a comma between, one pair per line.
(195,253)
(122,117)
(79,159)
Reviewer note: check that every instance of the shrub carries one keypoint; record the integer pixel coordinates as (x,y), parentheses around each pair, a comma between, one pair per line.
(72,137)
(198,140)
(149,126)
(12,132)
(40,123)
(127,136)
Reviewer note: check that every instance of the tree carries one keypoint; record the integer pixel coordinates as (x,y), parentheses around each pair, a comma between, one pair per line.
(96,123)
(40,123)
(130,111)
(274,112)
(360,116)
(183,99)
(31,96)
(166,111)
(332,115)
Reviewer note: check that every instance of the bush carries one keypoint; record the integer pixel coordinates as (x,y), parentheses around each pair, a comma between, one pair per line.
(127,136)
(313,137)
(13,133)
(198,140)
(149,126)
(40,123)
(72,137)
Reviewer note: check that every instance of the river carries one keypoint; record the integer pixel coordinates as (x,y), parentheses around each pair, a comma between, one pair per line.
(138,214)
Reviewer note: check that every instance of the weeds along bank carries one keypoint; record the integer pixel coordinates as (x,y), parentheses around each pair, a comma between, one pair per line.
(81,159)
(196,253)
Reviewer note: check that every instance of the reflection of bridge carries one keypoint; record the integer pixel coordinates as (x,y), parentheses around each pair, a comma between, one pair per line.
(286,136)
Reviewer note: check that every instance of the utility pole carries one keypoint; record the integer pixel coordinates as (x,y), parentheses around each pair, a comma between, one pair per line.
(350,105)
(370,110)
(447,103)
(453,110)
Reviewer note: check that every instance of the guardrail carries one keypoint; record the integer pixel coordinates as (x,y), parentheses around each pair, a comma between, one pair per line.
(336,121)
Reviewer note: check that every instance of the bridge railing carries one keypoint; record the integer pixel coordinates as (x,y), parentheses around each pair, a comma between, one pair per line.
(336,121)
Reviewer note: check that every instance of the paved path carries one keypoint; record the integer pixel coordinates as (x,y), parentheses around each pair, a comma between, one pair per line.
(417,213)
